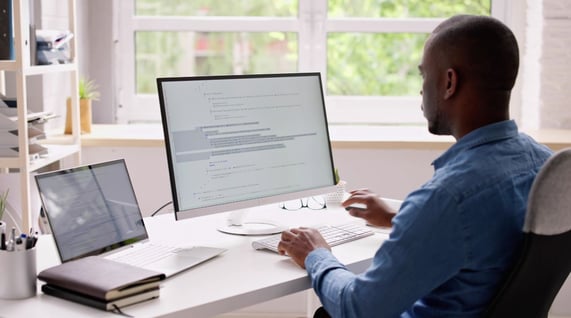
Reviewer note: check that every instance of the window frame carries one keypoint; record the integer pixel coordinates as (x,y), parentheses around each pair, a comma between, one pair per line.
(312,27)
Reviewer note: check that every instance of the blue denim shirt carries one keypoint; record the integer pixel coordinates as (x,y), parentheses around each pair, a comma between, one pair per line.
(453,239)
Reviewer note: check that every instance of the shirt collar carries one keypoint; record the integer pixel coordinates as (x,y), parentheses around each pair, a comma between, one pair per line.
(483,135)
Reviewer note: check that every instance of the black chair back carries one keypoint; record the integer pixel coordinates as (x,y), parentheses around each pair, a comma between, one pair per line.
(544,263)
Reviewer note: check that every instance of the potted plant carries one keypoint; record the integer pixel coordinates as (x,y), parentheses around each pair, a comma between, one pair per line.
(337,196)
(87,93)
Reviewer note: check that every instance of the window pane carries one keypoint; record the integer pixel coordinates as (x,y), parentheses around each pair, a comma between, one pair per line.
(406,8)
(384,64)
(211,53)
(274,8)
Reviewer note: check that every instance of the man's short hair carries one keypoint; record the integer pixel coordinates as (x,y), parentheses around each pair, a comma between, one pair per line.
(479,47)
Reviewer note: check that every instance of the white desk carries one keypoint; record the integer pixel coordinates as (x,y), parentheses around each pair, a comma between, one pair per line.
(238,278)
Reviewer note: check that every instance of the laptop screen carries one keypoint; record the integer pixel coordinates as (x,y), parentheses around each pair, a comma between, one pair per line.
(91,209)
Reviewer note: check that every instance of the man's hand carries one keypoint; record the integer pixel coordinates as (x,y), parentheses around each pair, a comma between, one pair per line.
(298,243)
(377,213)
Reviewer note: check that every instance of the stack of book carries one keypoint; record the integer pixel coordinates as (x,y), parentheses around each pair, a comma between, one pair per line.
(101,283)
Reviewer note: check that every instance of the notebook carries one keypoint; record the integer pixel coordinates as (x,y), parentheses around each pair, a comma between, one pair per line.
(92,210)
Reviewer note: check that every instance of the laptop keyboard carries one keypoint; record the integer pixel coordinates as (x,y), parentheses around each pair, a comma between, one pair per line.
(333,235)
(143,255)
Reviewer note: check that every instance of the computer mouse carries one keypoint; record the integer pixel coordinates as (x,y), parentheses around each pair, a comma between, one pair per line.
(358,206)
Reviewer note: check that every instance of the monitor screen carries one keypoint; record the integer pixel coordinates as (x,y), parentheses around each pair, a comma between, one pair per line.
(238,141)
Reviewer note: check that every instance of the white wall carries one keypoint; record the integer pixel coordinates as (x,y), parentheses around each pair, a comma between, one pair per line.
(546,67)
(553,87)
(555,66)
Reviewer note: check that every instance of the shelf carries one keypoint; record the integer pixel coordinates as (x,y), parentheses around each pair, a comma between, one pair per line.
(56,137)
(44,69)
(6,162)
(8,65)
(55,153)
(56,149)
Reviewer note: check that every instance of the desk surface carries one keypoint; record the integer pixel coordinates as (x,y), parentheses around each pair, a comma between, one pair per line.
(238,278)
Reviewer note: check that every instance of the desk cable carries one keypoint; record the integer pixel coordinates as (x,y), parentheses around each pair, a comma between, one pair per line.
(159,209)
(118,311)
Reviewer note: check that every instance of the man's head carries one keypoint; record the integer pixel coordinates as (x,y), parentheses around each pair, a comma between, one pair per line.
(469,67)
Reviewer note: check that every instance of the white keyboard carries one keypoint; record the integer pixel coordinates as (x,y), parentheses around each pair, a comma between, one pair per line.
(333,235)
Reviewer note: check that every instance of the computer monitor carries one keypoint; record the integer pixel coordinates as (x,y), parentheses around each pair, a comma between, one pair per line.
(239,141)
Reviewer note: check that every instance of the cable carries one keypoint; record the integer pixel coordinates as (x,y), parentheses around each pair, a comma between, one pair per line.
(118,311)
(159,209)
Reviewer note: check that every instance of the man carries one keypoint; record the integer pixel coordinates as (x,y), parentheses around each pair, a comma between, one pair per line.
(455,238)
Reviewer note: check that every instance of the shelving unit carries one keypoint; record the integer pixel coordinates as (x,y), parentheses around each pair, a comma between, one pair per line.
(23,69)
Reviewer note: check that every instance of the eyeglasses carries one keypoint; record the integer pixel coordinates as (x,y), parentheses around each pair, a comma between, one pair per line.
(312,203)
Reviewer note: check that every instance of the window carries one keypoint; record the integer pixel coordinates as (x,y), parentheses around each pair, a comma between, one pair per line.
(366,50)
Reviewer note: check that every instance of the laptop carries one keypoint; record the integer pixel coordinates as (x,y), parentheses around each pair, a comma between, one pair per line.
(92,210)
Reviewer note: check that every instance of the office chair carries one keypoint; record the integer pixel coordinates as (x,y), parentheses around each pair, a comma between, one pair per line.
(321,313)
(544,262)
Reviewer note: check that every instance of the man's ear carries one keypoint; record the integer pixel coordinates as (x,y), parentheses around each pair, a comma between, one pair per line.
(451,83)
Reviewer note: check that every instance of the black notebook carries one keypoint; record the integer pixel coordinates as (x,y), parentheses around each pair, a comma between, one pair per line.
(111,305)
(100,278)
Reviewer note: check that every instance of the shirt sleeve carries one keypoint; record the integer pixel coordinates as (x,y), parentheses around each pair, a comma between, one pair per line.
(412,262)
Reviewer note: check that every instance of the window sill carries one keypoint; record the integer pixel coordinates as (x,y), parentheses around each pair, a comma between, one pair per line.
(342,137)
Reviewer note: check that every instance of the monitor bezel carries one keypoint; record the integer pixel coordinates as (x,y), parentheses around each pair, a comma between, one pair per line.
(181,214)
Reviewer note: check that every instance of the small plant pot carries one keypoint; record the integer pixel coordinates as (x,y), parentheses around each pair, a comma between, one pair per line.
(84,116)
(335,198)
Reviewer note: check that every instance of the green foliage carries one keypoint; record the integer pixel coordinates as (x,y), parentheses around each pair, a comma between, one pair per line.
(374,63)
(3,201)
(226,53)
(88,89)
(229,52)
(406,8)
(357,63)
(216,8)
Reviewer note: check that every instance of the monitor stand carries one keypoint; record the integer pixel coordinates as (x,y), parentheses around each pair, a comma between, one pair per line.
(238,226)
